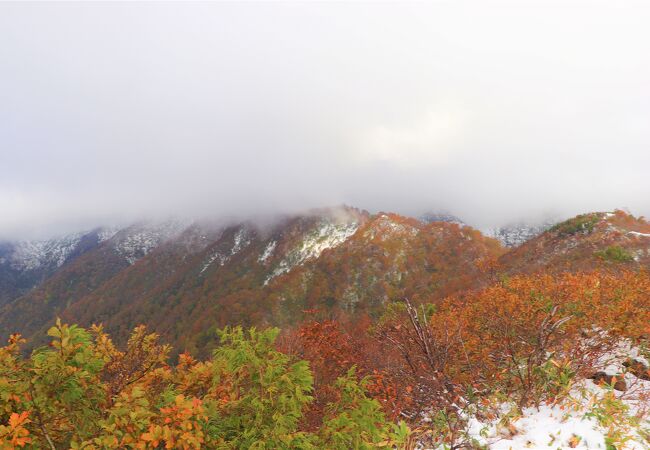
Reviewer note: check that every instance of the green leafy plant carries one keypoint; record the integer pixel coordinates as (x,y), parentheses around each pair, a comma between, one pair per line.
(615,253)
(356,421)
(613,415)
(583,223)
(81,392)
(555,379)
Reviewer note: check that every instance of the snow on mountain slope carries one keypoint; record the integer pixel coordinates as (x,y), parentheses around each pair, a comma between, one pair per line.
(132,243)
(440,217)
(138,240)
(106,233)
(241,239)
(30,255)
(25,264)
(515,234)
(326,235)
(268,251)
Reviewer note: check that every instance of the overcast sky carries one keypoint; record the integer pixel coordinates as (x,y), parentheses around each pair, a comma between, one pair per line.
(492,111)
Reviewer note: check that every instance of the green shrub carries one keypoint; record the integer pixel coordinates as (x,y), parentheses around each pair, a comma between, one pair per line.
(81,392)
(356,421)
(615,417)
(583,223)
(615,253)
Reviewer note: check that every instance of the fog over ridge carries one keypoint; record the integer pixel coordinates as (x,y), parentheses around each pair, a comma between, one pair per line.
(493,111)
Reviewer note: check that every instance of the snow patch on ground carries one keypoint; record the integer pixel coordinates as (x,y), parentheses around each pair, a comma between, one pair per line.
(636,233)
(573,422)
(570,424)
(547,427)
(326,235)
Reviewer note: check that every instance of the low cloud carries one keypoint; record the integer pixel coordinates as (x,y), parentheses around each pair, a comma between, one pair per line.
(492,111)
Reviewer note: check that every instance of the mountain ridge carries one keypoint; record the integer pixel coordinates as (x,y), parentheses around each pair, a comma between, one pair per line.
(185,278)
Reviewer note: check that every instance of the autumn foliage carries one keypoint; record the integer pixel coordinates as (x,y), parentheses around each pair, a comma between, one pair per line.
(329,382)
(524,338)
(82,392)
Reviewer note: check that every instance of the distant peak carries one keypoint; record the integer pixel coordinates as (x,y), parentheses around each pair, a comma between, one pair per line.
(441,216)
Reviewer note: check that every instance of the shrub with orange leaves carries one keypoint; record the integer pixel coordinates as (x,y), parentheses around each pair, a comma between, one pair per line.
(182,425)
(502,337)
(15,434)
(513,328)
(525,337)
(332,348)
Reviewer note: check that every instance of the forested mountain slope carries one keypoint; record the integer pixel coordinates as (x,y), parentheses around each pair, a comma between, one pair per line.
(184,279)
(340,260)
(468,341)
(595,240)
(95,258)
(27,263)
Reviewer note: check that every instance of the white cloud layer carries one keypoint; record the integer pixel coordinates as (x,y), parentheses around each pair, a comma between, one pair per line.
(491,110)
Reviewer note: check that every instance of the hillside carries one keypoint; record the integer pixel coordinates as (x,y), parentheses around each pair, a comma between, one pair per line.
(186,279)
(25,264)
(549,360)
(185,283)
(467,341)
(56,283)
(514,234)
(390,257)
(595,240)
(210,276)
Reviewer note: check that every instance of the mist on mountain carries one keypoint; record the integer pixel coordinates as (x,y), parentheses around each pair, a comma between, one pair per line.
(224,109)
